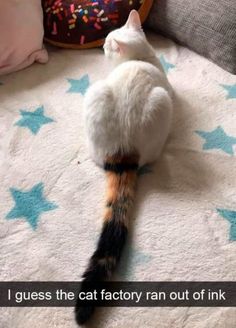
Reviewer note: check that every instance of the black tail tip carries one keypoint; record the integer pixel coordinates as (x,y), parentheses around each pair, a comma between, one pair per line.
(83,314)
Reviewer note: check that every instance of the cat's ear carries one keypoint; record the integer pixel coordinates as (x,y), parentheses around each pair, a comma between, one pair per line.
(133,20)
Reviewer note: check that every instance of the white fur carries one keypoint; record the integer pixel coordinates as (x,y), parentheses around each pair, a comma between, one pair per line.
(131,109)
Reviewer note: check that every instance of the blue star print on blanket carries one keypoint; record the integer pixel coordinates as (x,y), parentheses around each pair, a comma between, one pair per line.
(218,139)
(33,120)
(30,205)
(231,217)
(165,64)
(79,86)
(131,260)
(231,90)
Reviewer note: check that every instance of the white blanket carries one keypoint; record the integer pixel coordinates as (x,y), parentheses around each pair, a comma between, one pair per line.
(52,194)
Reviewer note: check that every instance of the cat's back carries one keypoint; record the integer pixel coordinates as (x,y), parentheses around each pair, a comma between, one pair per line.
(136,74)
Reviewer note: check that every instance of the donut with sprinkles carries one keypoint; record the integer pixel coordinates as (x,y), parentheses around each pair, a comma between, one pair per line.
(85,23)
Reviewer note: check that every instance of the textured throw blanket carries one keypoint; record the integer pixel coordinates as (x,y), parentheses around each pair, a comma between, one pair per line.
(51,193)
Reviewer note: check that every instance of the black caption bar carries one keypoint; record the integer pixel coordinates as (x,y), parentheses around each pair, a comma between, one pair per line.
(122,294)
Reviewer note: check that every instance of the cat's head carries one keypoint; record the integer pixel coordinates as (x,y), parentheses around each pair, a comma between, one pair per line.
(127,42)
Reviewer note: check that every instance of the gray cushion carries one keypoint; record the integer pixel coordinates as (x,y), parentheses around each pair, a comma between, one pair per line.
(206,26)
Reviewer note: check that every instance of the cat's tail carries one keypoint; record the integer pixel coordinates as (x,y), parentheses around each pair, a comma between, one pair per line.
(121,174)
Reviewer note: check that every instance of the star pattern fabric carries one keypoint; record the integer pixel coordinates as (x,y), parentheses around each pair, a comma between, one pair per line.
(33,120)
(165,64)
(218,139)
(30,205)
(79,86)
(132,259)
(231,217)
(231,90)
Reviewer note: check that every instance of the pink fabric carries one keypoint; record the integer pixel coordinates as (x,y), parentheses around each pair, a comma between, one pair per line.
(21,34)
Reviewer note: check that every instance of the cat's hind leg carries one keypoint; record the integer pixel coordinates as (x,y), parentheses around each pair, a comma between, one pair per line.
(156,122)
(100,121)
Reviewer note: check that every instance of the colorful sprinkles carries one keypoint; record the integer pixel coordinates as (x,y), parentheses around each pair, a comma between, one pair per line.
(82,38)
(83,15)
(54,30)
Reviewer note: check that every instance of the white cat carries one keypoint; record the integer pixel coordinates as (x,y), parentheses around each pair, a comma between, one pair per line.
(127,120)
(131,109)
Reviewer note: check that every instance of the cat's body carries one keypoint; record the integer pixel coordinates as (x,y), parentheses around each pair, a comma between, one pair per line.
(127,120)
(133,112)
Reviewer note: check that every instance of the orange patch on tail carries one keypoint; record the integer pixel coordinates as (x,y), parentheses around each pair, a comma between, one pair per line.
(120,188)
